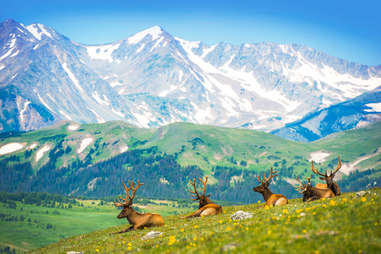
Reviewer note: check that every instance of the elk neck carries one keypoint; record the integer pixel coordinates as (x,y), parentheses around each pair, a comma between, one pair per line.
(267,194)
(133,217)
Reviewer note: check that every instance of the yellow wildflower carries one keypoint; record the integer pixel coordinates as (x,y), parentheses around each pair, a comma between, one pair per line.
(269,232)
(195,226)
(195,238)
(363,199)
(129,248)
(227,228)
(182,229)
(220,221)
(258,201)
(344,200)
(285,211)
(97,250)
(124,242)
(129,244)
(267,207)
(172,240)
(332,202)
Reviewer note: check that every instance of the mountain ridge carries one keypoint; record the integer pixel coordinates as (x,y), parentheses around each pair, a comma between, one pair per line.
(153,78)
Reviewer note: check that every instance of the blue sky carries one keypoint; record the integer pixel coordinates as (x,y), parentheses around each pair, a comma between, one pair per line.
(347,29)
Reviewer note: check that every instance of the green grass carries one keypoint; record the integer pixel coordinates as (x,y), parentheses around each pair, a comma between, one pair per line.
(217,146)
(345,224)
(65,222)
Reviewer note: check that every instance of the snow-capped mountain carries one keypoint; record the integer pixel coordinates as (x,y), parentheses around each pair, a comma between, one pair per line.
(153,78)
(358,112)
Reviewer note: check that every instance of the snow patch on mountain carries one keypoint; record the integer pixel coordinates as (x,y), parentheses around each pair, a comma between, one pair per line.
(84,143)
(104,101)
(141,48)
(98,117)
(38,30)
(73,78)
(73,127)
(43,102)
(10,148)
(154,32)
(40,153)
(319,156)
(157,43)
(103,52)
(22,110)
(374,107)
(65,115)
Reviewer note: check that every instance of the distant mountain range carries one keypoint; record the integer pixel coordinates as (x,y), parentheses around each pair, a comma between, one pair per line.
(153,78)
(350,114)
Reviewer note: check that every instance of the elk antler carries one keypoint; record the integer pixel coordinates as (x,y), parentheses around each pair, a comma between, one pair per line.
(315,170)
(299,188)
(128,199)
(134,189)
(326,173)
(338,166)
(265,179)
(194,193)
(204,183)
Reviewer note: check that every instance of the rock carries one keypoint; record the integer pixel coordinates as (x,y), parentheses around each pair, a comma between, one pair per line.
(241,215)
(152,234)
(229,247)
(361,193)
(74,252)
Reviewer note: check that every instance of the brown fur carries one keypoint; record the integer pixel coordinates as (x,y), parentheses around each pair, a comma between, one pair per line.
(270,198)
(311,193)
(206,206)
(137,220)
(206,210)
(328,178)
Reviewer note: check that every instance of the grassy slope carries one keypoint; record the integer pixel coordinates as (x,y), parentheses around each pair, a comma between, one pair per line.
(345,224)
(353,143)
(66,222)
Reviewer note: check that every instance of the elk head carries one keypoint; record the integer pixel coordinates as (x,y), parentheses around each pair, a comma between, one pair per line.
(328,177)
(305,189)
(126,203)
(265,182)
(203,199)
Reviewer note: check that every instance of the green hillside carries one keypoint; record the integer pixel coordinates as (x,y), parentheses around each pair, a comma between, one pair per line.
(91,159)
(345,224)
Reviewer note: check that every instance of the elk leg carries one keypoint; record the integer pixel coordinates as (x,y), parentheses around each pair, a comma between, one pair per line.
(125,230)
(195,214)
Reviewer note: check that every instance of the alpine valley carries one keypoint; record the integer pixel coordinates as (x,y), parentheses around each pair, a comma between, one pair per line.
(153,79)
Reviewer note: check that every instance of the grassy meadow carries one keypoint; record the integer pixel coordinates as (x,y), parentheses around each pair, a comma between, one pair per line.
(28,227)
(345,224)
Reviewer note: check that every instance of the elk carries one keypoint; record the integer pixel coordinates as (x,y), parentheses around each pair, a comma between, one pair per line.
(136,220)
(206,206)
(270,198)
(328,177)
(311,193)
